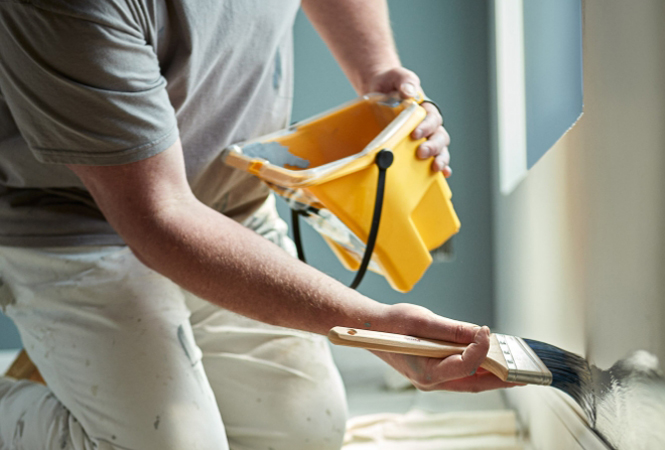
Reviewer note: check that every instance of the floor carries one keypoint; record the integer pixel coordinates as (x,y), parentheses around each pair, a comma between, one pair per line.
(374,388)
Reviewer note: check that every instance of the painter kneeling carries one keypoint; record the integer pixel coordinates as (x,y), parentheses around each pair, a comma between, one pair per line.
(154,286)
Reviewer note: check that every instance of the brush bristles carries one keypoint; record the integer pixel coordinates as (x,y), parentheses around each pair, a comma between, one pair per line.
(570,373)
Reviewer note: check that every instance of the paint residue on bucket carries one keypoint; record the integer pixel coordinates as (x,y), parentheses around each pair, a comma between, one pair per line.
(275,153)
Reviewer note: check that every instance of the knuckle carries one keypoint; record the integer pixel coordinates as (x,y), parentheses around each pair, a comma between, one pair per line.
(430,121)
(459,332)
(446,135)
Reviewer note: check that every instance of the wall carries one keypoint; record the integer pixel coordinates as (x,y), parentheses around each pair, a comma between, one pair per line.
(8,334)
(445,43)
(580,244)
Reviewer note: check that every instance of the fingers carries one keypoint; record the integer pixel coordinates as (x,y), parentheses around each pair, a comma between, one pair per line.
(437,142)
(460,372)
(430,123)
(466,364)
(438,373)
(436,145)
(477,383)
(454,373)
(407,84)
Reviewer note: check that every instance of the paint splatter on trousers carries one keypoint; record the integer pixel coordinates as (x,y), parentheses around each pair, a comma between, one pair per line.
(132,361)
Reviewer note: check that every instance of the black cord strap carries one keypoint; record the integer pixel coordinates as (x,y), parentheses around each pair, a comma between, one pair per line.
(295,225)
(429,100)
(384,159)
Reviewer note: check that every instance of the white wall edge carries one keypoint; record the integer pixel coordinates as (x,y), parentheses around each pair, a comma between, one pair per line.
(511,93)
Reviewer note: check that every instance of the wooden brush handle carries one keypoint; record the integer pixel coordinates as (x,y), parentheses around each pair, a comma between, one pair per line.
(410,345)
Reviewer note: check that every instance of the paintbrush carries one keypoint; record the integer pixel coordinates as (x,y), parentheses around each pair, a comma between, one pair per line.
(510,358)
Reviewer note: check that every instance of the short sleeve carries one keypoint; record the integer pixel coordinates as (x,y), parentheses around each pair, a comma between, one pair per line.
(83,90)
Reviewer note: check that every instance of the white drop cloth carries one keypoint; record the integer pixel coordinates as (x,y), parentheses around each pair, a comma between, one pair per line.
(418,430)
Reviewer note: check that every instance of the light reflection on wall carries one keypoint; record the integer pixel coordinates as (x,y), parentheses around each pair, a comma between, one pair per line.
(630,403)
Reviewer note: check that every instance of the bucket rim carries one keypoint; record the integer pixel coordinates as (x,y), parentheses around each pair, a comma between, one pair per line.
(267,171)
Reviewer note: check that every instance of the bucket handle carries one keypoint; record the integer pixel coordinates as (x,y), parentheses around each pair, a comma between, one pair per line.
(384,159)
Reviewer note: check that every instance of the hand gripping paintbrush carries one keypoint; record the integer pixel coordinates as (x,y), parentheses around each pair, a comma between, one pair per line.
(510,358)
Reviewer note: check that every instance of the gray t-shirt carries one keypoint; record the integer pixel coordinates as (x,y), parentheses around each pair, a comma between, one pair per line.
(105,82)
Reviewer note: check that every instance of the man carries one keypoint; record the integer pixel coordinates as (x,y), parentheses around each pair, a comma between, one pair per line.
(156,318)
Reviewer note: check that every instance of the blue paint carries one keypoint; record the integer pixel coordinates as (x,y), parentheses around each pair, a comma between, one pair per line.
(275,153)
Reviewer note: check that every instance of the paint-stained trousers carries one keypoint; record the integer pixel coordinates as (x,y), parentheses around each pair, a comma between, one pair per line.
(132,361)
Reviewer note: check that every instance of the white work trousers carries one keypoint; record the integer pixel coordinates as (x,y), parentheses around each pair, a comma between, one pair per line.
(132,361)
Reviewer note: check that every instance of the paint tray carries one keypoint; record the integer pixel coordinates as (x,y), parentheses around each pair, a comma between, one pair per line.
(327,169)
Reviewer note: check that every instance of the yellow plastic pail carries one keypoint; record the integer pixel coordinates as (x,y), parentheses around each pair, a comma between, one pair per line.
(325,166)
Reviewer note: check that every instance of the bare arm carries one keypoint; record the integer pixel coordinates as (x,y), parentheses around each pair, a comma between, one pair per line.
(359,36)
(152,207)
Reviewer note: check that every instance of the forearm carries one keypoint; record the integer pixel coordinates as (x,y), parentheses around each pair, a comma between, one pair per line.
(358,34)
(233,267)
(149,203)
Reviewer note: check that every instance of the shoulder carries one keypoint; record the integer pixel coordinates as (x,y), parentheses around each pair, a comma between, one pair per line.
(121,14)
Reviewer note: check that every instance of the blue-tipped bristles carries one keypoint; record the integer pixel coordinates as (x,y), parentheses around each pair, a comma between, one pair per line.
(570,373)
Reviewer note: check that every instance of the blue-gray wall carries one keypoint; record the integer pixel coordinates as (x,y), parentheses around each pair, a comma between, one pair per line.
(552,72)
(8,334)
(446,43)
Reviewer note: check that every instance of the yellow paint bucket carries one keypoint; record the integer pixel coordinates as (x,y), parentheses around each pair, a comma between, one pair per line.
(326,167)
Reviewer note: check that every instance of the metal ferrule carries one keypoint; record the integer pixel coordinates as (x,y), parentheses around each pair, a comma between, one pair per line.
(524,366)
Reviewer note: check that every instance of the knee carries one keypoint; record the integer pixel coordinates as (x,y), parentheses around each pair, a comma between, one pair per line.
(316,418)
(312,419)
(317,425)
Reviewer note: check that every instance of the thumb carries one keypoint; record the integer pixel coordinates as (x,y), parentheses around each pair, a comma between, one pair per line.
(404,81)
(450,330)
(408,90)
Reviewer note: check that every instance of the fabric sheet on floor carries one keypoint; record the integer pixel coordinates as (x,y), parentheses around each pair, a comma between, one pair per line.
(419,430)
